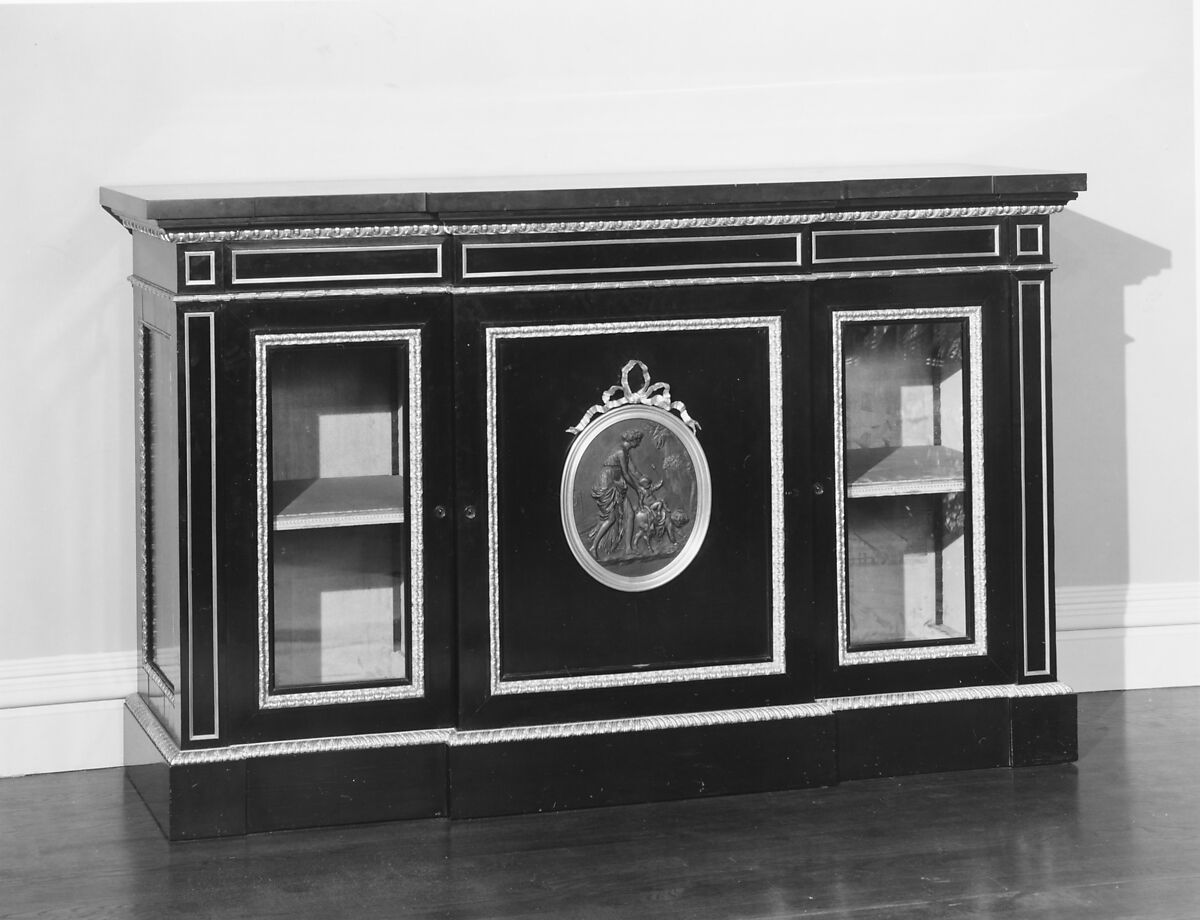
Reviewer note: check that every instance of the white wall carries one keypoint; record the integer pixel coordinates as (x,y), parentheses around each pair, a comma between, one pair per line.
(193,92)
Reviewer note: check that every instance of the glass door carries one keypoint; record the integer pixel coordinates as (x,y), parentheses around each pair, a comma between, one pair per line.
(339,435)
(909,484)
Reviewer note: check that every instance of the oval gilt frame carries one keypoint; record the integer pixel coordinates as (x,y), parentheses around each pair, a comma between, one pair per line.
(628,417)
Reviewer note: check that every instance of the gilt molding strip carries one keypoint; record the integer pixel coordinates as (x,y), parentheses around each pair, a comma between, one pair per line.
(171,752)
(264,345)
(749,220)
(272,234)
(175,757)
(971,317)
(639,724)
(630,284)
(946,695)
(143,510)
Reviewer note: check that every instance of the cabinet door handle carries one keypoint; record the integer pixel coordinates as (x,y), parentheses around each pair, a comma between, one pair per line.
(469,512)
(818,489)
(439,512)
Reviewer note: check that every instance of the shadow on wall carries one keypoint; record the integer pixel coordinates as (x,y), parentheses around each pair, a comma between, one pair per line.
(1091,474)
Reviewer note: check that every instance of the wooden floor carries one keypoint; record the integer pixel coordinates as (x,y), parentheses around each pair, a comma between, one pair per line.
(1117,835)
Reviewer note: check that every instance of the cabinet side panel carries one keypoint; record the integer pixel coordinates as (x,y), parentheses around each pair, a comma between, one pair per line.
(158,521)
(155,260)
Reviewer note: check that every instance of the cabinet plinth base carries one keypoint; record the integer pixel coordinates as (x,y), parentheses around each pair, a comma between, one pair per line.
(1045,730)
(960,735)
(935,737)
(650,766)
(192,800)
(469,774)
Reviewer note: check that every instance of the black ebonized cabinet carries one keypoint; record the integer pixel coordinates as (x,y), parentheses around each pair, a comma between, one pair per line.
(464,503)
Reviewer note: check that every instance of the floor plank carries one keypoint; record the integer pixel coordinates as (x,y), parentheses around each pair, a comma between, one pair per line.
(1117,835)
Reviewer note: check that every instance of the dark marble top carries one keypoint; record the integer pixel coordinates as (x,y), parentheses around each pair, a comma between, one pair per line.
(461,198)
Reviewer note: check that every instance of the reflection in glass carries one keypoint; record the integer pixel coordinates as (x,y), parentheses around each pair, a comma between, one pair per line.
(906,475)
(339,606)
(907,569)
(161,515)
(339,547)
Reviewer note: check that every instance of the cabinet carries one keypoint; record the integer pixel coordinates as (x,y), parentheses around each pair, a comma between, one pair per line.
(468,501)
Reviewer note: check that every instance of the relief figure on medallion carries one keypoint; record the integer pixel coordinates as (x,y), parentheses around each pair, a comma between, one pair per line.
(611,494)
(638,518)
(636,492)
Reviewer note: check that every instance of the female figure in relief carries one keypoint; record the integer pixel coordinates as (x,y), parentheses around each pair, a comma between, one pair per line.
(610,492)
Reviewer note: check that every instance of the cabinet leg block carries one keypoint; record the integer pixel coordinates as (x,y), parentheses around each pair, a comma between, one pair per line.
(195,801)
(323,788)
(924,738)
(1045,730)
(553,774)
(189,801)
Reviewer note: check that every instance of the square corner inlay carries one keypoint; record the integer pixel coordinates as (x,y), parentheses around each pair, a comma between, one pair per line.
(1029,240)
(199,268)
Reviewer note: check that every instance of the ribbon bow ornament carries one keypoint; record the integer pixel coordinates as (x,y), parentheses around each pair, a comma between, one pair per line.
(657,395)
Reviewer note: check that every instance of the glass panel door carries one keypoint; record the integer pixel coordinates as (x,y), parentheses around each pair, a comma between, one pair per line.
(338,431)
(908,393)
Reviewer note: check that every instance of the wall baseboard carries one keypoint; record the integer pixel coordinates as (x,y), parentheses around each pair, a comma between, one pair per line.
(65,736)
(1134,658)
(1096,607)
(1129,637)
(65,712)
(67,679)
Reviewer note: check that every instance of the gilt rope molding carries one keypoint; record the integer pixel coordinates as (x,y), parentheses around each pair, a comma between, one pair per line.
(639,724)
(275,234)
(175,756)
(454,737)
(946,695)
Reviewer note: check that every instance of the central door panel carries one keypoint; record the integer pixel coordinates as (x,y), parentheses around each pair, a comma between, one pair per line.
(624,548)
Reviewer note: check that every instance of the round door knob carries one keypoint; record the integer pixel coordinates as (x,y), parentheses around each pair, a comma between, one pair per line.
(469,512)
(439,512)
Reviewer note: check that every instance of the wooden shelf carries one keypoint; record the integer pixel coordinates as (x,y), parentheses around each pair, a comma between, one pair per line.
(349,501)
(886,471)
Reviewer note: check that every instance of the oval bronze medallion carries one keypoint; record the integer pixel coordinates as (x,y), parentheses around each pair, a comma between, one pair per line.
(636,497)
